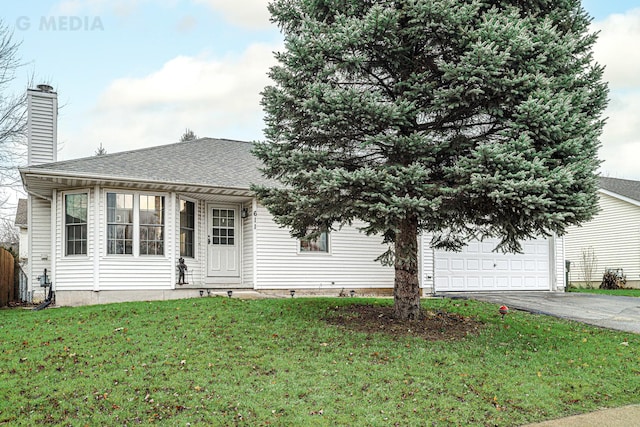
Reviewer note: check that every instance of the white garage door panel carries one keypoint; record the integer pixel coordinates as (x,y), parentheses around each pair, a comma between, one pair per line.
(478,268)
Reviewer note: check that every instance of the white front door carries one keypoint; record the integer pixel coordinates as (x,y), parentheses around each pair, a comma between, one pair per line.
(223,248)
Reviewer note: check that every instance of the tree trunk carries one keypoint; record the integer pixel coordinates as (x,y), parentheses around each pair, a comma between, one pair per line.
(406,291)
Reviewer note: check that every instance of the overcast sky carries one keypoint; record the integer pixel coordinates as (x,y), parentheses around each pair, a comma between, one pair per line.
(136,73)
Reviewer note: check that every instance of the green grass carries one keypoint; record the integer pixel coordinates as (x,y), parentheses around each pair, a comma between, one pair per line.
(221,361)
(618,292)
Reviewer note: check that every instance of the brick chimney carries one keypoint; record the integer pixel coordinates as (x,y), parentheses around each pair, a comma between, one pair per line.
(42,125)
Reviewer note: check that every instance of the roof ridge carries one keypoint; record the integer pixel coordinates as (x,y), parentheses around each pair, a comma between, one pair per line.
(136,150)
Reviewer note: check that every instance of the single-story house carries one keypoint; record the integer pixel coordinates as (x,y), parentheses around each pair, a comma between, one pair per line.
(113,227)
(611,240)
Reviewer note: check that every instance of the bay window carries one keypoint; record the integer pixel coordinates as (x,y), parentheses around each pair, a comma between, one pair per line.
(135,221)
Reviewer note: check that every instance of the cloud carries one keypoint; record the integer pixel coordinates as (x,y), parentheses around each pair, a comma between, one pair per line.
(216,97)
(252,14)
(617,49)
(621,136)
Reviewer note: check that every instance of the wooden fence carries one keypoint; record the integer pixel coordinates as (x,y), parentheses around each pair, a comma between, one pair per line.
(7,283)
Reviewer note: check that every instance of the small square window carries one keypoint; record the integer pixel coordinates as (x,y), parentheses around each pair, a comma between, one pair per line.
(319,244)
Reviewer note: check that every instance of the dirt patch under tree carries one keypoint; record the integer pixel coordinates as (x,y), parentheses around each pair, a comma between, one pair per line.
(433,326)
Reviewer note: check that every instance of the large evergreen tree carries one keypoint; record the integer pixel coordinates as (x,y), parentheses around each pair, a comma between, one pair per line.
(460,118)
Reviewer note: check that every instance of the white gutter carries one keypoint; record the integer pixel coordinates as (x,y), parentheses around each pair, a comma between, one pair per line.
(40,173)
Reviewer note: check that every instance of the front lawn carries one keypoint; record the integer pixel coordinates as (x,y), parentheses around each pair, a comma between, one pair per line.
(221,361)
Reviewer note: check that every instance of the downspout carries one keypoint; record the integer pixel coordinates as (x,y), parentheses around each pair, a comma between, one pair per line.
(54,234)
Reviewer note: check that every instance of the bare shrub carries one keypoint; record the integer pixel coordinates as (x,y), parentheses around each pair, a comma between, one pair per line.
(589,265)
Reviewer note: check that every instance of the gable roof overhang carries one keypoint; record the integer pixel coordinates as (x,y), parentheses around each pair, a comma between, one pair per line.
(41,183)
(620,197)
(623,189)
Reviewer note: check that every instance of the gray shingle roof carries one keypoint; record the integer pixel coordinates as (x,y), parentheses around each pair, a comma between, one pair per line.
(205,161)
(623,187)
(21,213)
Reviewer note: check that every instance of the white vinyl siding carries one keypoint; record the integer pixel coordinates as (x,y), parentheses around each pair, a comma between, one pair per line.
(42,127)
(614,236)
(351,263)
(248,234)
(426,264)
(39,240)
(558,281)
(74,272)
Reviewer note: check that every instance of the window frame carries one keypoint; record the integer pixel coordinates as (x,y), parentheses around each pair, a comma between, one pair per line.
(302,251)
(194,230)
(158,244)
(65,228)
(136,224)
(132,224)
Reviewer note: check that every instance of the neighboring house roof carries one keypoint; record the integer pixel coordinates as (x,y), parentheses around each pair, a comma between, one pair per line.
(21,214)
(623,187)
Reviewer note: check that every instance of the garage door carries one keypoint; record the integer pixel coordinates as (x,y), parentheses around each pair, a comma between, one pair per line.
(478,268)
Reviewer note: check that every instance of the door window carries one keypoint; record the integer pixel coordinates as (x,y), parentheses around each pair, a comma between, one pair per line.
(223,227)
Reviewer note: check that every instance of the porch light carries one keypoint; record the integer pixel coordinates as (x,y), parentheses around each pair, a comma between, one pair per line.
(244,213)
(292,292)
(229,293)
(352,292)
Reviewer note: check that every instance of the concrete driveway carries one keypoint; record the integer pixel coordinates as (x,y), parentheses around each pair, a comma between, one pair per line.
(607,311)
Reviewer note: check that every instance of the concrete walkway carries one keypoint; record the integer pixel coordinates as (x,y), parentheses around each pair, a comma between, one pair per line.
(606,311)
(627,416)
